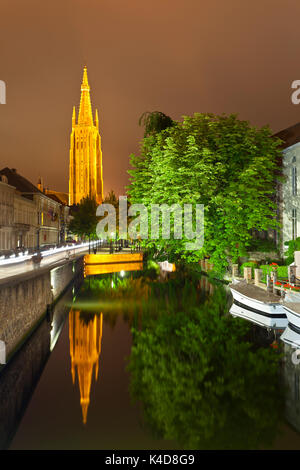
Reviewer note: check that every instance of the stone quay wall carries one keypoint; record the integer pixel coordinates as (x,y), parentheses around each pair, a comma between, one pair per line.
(18,380)
(24,301)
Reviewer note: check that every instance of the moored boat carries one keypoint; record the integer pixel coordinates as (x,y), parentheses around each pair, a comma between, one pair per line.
(291,336)
(258,306)
(293,315)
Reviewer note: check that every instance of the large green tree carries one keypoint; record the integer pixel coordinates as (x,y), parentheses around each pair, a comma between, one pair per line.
(221,162)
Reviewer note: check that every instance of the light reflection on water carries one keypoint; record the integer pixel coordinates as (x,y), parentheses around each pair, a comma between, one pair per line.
(85,335)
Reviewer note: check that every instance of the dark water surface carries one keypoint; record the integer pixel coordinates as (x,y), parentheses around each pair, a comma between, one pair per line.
(187,376)
(54,416)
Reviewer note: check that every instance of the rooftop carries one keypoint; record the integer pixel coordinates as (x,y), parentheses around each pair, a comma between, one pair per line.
(290,136)
(19,182)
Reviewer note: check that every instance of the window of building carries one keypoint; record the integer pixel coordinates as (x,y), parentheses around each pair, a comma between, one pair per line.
(294,223)
(294,181)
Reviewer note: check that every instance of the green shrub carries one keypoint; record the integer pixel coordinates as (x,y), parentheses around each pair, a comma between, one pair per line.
(250,264)
(265,269)
(293,245)
(282,271)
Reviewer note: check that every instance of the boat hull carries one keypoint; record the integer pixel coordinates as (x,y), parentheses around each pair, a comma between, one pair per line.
(291,336)
(293,318)
(268,315)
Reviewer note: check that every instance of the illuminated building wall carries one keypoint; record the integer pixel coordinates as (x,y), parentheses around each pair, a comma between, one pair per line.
(85,349)
(107,263)
(85,178)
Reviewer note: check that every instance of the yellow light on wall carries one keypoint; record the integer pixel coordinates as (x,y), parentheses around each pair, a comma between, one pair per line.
(113,258)
(94,269)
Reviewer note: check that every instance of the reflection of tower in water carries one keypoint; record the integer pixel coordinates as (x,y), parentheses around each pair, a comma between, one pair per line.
(85,348)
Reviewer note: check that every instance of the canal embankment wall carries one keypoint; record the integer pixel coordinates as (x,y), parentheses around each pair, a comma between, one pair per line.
(24,301)
(19,378)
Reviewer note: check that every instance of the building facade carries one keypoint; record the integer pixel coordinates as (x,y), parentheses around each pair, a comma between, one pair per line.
(28,217)
(6,214)
(289,193)
(64,212)
(48,212)
(85,178)
(25,222)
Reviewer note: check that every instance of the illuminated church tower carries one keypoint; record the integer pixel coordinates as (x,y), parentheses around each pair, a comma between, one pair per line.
(85,151)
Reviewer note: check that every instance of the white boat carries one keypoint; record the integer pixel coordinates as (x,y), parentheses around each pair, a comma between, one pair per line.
(258,306)
(291,336)
(293,315)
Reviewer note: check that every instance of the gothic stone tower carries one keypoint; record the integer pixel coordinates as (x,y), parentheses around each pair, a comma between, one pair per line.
(85,151)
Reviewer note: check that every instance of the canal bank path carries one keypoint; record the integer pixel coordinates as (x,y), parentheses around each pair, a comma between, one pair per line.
(53,258)
(23,267)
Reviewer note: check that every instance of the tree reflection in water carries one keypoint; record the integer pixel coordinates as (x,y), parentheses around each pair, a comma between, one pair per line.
(201,381)
(198,375)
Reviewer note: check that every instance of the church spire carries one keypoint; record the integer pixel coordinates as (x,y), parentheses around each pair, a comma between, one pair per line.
(85,82)
(85,115)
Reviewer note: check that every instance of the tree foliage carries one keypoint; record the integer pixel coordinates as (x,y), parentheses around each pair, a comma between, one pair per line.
(221,162)
(84,220)
(293,245)
(155,122)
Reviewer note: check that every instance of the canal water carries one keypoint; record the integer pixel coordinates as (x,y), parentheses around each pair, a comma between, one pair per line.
(131,360)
